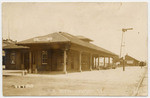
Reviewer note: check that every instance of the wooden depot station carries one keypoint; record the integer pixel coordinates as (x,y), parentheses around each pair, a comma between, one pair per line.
(58,51)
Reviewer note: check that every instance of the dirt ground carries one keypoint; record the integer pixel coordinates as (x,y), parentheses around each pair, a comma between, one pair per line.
(112,82)
(143,89)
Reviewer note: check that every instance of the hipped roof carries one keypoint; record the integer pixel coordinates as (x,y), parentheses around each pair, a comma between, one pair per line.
(63,37)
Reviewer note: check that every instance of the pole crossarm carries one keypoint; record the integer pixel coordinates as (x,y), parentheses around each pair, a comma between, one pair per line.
(126,29)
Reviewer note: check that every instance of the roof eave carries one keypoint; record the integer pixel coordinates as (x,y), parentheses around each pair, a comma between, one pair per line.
(41,43)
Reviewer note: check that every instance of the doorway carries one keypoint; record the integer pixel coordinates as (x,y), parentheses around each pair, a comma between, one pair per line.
(26,60)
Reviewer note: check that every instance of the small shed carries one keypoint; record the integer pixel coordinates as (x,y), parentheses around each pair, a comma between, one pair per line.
(130,61)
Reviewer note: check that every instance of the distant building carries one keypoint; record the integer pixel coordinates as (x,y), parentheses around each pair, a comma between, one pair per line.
(58,51)
(130,61)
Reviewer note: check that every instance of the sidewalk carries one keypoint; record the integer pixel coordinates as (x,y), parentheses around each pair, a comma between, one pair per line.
(12,72)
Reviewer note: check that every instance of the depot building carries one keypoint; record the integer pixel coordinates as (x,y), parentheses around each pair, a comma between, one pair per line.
(58,51)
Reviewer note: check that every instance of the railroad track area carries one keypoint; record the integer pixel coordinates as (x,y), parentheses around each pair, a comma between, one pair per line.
(142,88)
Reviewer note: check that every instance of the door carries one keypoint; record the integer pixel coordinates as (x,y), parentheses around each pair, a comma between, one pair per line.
(26,60)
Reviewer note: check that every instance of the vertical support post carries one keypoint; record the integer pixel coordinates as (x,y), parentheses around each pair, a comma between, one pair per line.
(108,61)
(104,62)
(30,61)
(123,63)
(23,58)
(80,58)
(65,57)
(112,62)
(22,65)
(33,62)
(98,63)
(91,62)
(95,62)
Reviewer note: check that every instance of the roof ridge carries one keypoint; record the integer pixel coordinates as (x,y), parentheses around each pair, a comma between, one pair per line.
(62,36)
(132,57)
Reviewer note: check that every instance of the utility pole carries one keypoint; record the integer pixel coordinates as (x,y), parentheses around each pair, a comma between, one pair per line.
(8,31)
(122,47)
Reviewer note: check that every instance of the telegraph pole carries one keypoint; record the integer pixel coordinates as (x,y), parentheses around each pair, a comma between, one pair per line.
(122,47)
(8,31)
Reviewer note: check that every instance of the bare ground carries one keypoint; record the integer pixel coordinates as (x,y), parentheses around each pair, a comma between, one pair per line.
(112,82)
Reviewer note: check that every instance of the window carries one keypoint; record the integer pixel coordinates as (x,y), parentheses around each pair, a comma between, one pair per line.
(129,61)
(44,57)
(12,58)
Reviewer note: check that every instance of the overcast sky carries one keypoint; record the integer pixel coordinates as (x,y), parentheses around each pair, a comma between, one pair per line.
(101,22)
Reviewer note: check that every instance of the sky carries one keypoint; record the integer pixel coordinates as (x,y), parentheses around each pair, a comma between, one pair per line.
(100,21)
